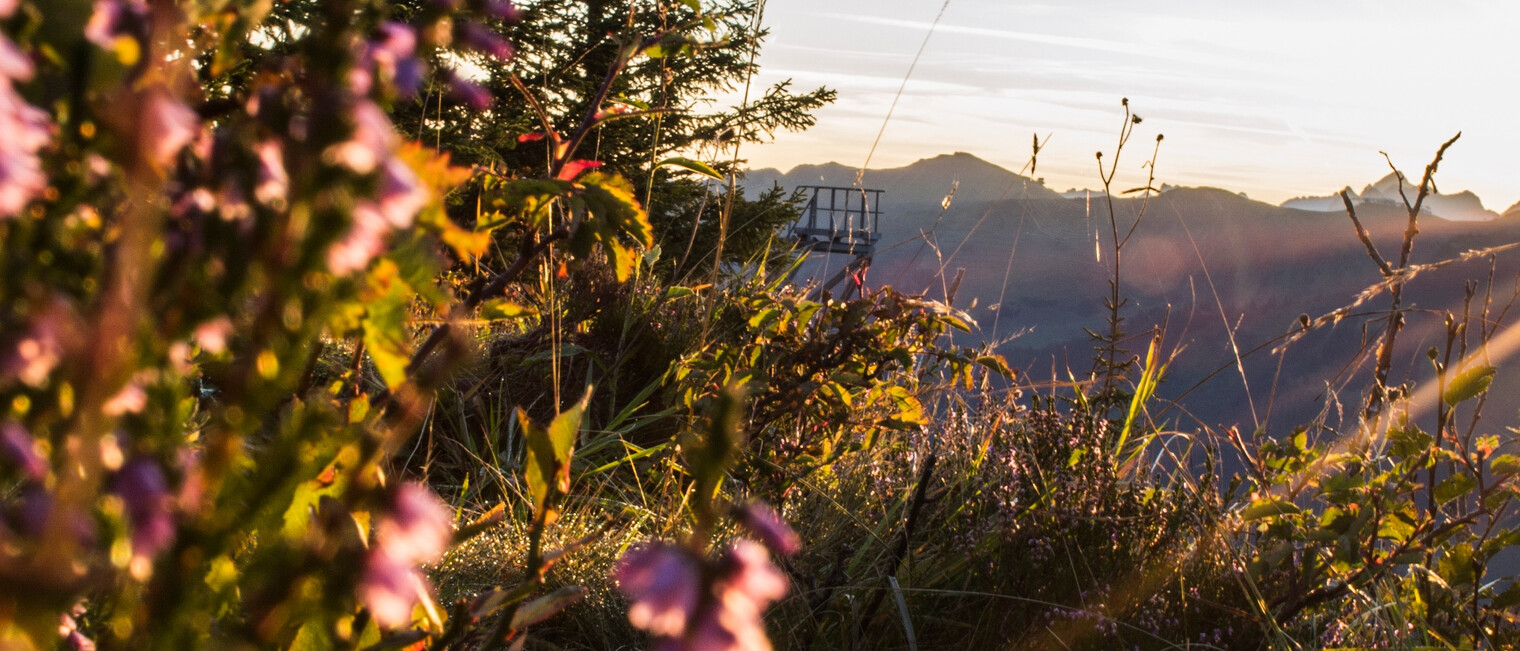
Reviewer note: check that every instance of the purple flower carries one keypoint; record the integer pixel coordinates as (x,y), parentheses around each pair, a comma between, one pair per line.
(365,240)
(502,9)
(468,92)
(482,39)
(141,486)
(68,629)
(392,54)
(767,525)
(416,530)
(401,194)
(664,582)
(19,448)
(689,609)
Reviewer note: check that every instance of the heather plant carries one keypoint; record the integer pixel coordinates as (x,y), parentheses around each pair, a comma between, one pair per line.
(188,232)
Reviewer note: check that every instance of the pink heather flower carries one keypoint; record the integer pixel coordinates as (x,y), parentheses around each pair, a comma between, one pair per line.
(111,19)
(8,7)
(19,448)
(165,125)
(68,629)
(273,182)
(130,400)
(212,335)
(14,63)
(365,240)
(373,140)
(391,590)
(748,584)
(767,525)
(401,194)
(416,530)
(26,130)
(664,582)
(752,581)
(33,358)
(141,486)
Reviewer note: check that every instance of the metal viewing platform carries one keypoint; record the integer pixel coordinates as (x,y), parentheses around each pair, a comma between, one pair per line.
(841,220)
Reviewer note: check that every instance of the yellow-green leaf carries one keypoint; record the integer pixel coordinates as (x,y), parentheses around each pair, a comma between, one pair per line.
(1268,508)
(691,165)
(1468,384)
(504,310)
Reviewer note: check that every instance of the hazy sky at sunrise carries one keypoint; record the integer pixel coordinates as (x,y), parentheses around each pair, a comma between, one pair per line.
(1276,99)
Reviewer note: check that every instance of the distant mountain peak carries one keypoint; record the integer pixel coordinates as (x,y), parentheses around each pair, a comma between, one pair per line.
(1460,206)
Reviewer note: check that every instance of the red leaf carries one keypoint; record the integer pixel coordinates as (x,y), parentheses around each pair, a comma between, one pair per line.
(574,168)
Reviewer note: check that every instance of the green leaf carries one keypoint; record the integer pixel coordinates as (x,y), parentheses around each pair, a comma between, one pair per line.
(548,456)
(691,165)
(388,301)
(1409,441)
(1268,508)
(1505,465)
(1507,599)
(1468,384)
(546,606)
(996,364)
(1454,486)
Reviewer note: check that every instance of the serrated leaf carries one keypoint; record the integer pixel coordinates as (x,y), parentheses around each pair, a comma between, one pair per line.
(1409,441)
(1468,384)
(1505,465)
(1454,486)
(691,165)
(546,606)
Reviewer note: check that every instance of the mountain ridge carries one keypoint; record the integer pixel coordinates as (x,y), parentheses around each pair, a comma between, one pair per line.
(928,181)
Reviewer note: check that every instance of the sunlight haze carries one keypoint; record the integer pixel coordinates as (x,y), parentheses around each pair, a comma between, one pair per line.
(1276,100)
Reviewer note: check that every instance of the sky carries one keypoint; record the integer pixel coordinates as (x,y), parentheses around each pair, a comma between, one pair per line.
(1274,99)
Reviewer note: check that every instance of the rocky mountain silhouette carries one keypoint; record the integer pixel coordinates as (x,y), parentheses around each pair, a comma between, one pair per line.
(1392,190)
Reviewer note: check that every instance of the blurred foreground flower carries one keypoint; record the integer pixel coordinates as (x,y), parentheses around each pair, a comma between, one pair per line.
(691,604)
(27,130)
(416,530)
